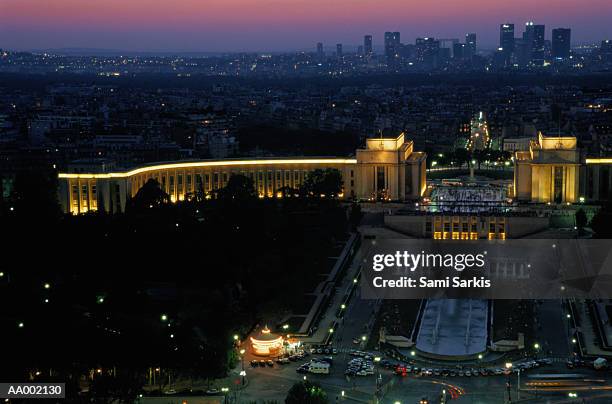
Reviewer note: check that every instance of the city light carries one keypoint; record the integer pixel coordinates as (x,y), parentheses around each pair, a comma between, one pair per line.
(47,285)
(164,317)
(236,337)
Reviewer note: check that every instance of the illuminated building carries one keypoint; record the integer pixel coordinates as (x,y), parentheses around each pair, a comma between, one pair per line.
(534,42)
(470,45)
(392,45)
(266,344)
(506,41)
(549,171)
(387,168)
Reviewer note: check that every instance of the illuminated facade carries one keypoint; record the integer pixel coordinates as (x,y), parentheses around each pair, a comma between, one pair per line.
(266,344)
(386,169)
(549,172)
(389,169)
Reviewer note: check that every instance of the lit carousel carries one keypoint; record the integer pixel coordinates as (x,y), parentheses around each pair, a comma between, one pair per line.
(266,343)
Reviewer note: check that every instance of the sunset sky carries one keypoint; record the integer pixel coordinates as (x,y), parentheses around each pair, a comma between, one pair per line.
(276,25)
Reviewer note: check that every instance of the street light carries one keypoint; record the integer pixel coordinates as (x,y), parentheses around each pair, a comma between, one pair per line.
(343,306)
(236,336)
(572,395)
(412,353)
(47,285)
(164,317)
(536,345)
(479,356)
(285,326)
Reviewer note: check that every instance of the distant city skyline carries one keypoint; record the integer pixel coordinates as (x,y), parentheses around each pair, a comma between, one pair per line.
(281,25)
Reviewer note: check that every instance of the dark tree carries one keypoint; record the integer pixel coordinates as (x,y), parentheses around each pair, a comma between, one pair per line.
(149,196)
(581,219)
(355,215)
(34,196)
(601,222)
(461,156)
(306,393)
(238,188)
(122,387)
(326,182)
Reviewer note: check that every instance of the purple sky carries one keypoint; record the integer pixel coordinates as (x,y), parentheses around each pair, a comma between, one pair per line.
(274,25)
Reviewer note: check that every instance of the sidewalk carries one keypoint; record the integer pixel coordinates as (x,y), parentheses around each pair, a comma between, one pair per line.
(320,335)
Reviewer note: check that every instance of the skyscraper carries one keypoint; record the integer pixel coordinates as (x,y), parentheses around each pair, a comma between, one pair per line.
(534,41)
(339,50)
(470,44)
(427,52)
(506,40)
(367,45)
(458,50)
(320,53)
(561,43)
(392,42)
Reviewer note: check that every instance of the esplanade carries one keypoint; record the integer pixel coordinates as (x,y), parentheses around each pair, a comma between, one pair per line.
(551,171)
(387,168)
